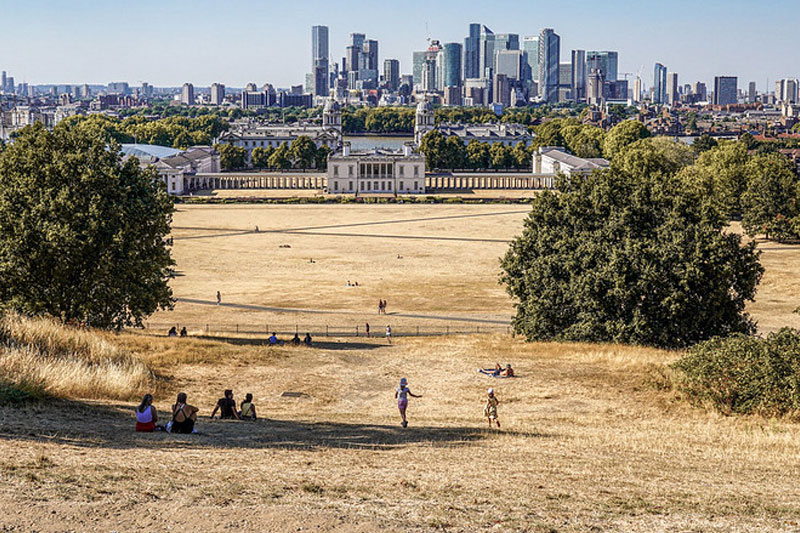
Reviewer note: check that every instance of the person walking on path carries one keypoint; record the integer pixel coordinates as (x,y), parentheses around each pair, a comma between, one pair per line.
(402,393)
(389,334)
(219,298)
(490,409)
(367,328)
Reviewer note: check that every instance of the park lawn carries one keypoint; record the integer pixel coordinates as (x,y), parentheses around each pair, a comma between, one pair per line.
(589,442)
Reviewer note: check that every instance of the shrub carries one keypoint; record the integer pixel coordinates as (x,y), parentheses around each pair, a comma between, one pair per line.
(743,375)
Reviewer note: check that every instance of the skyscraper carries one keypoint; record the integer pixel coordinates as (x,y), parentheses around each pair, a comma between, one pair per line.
(726,90)
(594,87)
(531,47)
(319,61)
(672,88)
(217,94)
(472,61)
(369,55)
(418,65)
(786,90)
(579,75)
(605,60)
(506,41)
(449,64)
(549,58)
(187,94)
(430,82)
(510,63)
(3,81)
(486,52)
(700,91)
(637,90)
(751,92)
(659,84)
(391,74)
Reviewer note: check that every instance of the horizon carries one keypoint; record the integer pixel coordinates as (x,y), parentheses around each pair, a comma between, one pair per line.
(236,54)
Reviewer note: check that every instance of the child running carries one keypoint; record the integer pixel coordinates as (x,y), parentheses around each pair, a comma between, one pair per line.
(402,393)
(490,410)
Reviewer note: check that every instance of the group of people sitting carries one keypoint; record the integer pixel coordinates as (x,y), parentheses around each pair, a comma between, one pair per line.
(173,332)
(498,371)
(275,341)
(184,416)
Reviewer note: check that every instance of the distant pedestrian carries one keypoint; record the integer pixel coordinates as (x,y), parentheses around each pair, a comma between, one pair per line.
(219,298)
(389,334)
(384,307)
(367,327)
(402,393)
(380,306)
(490,409)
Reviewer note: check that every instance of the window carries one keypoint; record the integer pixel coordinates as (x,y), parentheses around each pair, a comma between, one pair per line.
(335,185)
(401,185)
(336,170)
(383,185)
(401,169)
(173,186)
(363,186)
(350,170)
(416,185)
(416,170)
(350,188)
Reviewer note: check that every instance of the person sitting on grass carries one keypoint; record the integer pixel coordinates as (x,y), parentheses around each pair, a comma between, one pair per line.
(273,340)
(173,332)
(295,340)
(307,339)
(184,416)
(248,409)
(507,372)
(494,372)
(146,415)
(184,333)
(226,407)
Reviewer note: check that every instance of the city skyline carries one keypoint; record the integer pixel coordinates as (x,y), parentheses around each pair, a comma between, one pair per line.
(138,50)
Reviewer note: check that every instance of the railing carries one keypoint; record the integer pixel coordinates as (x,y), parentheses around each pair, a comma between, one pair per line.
(286,331)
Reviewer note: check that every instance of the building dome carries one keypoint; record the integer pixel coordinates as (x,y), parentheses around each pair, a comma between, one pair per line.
(424,107)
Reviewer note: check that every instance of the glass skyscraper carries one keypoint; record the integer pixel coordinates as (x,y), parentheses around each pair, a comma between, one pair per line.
(449,64)
(531,47)
(579,75)
(659,84)
(726,90)
(549,58)
(472,59)
(319,61)
(606,61)
(486,52)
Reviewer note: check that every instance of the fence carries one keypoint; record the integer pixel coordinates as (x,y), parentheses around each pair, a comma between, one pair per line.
(376,330)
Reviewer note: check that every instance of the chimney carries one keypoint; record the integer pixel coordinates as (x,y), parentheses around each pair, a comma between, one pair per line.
(407,149)
(346,149)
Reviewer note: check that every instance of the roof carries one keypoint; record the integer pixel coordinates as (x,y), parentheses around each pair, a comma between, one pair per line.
(573,161)
(149,150)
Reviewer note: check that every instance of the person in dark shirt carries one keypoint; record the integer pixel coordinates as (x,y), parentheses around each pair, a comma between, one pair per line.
(226,407)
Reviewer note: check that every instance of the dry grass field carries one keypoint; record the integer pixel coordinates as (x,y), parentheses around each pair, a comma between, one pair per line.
(592,438)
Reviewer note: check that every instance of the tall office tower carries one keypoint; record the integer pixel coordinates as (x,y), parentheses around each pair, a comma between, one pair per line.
(510,63)
(660,84)
(187,94)
(357,39)
(418,66)
(352,59)
(86,92)
(578,81)
(10,84)
(501,90)
(449,64)
(637,90)
(486,52)
(700,91)
(549,58)
(604,60)
(564,82)
(76,92)
(472,60)
(785,90)
(3,81)
(672,88)
(320,73)
(369,55)
(594,87)
(506,41)
(752,92)
(429,69)
(391,74)
(726,89)
(217,94)
(531,47)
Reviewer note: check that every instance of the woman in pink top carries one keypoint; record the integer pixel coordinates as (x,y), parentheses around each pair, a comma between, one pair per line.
(146,415)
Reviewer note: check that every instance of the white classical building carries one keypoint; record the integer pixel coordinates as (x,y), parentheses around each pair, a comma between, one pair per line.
(181,170)
(250,135)
(551,160)
(376,171)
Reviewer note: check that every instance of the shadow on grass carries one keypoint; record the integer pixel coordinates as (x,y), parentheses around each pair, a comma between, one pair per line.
(316,345)
(90,425)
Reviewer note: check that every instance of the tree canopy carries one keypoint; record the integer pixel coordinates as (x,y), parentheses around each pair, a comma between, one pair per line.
(629,254)
(82,233)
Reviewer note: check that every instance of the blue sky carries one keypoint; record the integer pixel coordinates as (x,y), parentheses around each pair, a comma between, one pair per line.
(167,42)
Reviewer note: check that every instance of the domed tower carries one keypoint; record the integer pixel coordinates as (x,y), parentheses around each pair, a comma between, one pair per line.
(424,121)
(332,115)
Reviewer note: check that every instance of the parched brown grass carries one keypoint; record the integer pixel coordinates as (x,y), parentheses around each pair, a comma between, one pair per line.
(45,359)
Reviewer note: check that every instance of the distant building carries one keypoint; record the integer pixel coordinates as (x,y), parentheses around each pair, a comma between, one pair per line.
(578,75)
(472,52)
(786,91)
(549,60)
(501,90)
(118,87)
(660,84)
(751,92)
(530,45)
(551,160)
(486,53)
(178,169)
(217,94)
(376,171)
(700,91)
(726,89)
(511,64)
(391,74)
(187,94)
(672,88)
(449,66)
(606,61)
(594,88)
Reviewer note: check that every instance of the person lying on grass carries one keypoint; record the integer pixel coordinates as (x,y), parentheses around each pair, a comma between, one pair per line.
(226,407)
(248,411)
(183,416)
(491,371)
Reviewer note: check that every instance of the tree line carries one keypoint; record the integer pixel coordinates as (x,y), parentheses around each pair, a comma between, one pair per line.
(302,153)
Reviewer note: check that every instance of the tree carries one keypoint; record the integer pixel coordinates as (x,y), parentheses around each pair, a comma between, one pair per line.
(433,147)
(259,157)
(478,155)
(280,158)
(772,198)
(704,143)
(82,234)
(629,257)
(720,177)
(521,157)
(455,154)
(304,152)
(621,135)
(322,157)
(500,155)
(655,156)
(231,157)
(584,141)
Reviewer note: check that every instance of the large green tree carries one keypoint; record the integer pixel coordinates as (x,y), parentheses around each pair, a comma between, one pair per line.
(629,255)
(772,198)
(82,233)
(304,152)
(621,135)
(231,157)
